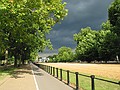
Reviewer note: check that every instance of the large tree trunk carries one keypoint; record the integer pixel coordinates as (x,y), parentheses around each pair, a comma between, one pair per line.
(6,58)
(20,60)
(23,62)
(15,61)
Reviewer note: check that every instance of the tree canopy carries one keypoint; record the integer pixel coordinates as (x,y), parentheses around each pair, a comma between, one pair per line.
(96,45)
(25,23)
(114,18)
(65,54)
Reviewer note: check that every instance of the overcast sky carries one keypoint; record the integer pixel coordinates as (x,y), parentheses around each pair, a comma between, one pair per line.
(81,14)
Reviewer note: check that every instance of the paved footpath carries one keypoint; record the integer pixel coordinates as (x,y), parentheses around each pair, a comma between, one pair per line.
(44,81)
(22,79)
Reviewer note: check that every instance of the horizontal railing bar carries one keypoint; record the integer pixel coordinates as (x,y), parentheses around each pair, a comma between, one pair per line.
(64,70)
(72,72)
(83,75)
(108,81)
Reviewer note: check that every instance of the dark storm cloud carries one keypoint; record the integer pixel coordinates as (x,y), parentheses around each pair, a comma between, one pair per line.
(82,13)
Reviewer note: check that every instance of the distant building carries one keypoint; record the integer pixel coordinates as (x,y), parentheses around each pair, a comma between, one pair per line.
(43,59)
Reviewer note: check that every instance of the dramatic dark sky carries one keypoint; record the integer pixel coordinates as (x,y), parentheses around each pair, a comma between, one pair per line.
(81,13)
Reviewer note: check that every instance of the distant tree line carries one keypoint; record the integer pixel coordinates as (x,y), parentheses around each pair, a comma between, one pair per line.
(65,54)
(99,45)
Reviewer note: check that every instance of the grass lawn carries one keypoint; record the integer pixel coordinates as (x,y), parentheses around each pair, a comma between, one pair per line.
(6,72)
(85,82)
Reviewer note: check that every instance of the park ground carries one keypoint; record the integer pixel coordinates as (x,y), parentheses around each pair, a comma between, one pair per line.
(22,78)
(30,77)
(110,71)
(18,79)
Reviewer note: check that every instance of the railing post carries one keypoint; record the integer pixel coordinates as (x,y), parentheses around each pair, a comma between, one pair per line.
(92,82)
(57,72)
(38,65)
(119,83)
(53,71)
(49,69)
(68,77)
(45,67)
(77,81)
(61,74)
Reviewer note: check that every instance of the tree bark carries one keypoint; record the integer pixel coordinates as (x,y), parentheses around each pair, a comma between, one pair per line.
(15,61)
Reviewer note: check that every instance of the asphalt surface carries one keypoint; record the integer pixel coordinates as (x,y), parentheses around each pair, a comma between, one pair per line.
(44,81)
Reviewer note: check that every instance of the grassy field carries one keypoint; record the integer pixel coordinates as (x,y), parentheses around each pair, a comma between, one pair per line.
(109,72)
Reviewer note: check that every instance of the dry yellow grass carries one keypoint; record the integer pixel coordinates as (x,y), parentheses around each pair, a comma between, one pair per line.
(111,71)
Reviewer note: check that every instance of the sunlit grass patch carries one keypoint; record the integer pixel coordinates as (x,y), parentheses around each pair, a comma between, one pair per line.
(6,71)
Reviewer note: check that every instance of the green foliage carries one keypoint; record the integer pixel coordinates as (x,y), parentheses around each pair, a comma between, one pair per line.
(107,48)
(6,72)
(114,13)
(103,44)
(114,17)
(25,23)
(65,54)
(96,45)
(107,25)
(53,58)
(86,44)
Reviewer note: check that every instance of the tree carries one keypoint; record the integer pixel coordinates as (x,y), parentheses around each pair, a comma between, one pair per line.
(107,25)
(86,49)
(114,18)
(107,45)
(25,23)
(53,58)
(65,54)
(96,45)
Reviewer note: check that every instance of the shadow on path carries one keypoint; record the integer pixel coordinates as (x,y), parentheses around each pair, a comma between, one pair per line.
(19,73)
(47,82)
